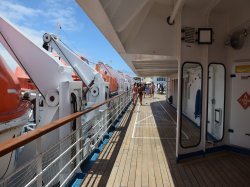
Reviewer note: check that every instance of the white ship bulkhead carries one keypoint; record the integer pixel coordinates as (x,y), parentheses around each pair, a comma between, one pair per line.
(157,38)
(202,49)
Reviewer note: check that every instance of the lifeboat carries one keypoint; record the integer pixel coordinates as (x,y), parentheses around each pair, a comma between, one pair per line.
(109,76)
(25,82)
(130,80)
(12,106)
(121,82)
(127,81)
(14,114)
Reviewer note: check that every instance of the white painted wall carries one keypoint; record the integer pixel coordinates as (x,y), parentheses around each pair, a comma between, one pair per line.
(195,53)
(172,88)
(224,23)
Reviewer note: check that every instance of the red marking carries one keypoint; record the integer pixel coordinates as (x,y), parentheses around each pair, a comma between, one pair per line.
(244,100)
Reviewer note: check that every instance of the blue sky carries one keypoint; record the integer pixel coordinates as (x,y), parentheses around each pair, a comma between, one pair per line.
(35,17)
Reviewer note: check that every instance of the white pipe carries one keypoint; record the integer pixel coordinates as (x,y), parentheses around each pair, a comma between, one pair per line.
(177,6)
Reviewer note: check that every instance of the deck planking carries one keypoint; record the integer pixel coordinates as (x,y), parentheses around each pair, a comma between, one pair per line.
(141,152)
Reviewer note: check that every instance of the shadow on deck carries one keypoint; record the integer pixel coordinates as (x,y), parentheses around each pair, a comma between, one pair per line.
(223,168)
(141,152)
(99,173)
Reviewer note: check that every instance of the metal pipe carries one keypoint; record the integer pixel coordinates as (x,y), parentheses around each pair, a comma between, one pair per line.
(177,6)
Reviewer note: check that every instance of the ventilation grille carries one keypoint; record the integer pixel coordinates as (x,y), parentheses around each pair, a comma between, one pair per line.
(188,34)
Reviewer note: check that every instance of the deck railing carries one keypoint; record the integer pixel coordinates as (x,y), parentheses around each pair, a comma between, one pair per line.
(57,164)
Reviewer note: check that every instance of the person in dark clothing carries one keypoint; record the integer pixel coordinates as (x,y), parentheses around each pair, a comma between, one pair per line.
(144,90)
(161,88)
(170,99)
(197,111)
(140,92)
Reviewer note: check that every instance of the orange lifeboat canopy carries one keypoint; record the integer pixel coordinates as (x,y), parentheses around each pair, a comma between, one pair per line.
(11,105)
(108,76)
(24,80)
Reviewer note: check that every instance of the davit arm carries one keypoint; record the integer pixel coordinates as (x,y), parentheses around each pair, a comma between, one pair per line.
(52,78)
(92,79)
(44,70)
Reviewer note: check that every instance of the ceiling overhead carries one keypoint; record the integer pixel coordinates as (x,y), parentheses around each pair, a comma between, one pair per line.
(139,32)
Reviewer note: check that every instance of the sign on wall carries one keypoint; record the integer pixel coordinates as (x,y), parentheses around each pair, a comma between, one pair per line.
(242,69)
(244,100)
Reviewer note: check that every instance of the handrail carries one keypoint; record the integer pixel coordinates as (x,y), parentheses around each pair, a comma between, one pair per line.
(12,144)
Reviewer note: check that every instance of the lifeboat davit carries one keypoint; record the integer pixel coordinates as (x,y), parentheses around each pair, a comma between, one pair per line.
(27,84)
(12,106)
(109,76)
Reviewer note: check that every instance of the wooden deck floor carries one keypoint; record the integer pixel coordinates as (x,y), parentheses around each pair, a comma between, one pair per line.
(142,153)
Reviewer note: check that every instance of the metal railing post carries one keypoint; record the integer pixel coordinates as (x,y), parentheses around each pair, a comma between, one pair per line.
(122,97)
(120,106)
(69,152)
(113,112)
(124,101)
(102,123)
(80,143)
(39,168)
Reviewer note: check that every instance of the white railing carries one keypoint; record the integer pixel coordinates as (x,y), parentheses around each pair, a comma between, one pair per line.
(57,165)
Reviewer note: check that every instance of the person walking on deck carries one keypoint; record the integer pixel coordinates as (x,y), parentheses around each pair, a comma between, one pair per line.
(134,92)
(152,89)
(140,92)
(144,90)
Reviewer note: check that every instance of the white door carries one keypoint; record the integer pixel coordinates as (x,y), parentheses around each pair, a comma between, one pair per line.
(240,110)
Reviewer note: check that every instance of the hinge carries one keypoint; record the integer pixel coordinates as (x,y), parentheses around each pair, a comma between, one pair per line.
(232,75)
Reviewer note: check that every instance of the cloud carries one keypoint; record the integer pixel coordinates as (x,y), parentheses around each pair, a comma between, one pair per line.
(63,16)
(61,13)
(17,12)
(31,34)
(46,13)
(33,21)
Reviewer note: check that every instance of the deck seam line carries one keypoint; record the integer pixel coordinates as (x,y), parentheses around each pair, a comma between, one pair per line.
(172,119)
(138,108)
